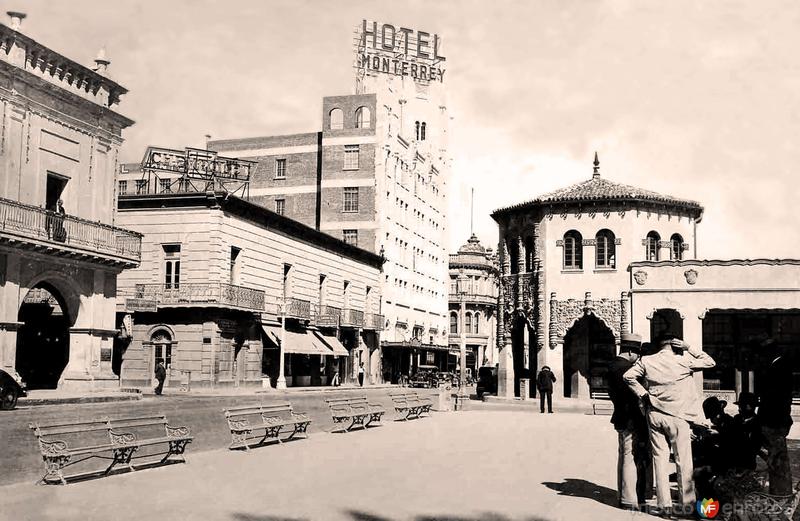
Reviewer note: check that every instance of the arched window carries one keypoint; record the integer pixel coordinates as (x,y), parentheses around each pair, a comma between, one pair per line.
(468,323)
(416,130)
(422,132)
(162,347)
(363,117)
(651,246)
(676,247)
(453,324)
(573,250)
(476,323)
(606,255)
(337,119)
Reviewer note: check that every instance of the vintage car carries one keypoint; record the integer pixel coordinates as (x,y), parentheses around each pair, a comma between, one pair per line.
(487,381)
(11,388)
(426,376)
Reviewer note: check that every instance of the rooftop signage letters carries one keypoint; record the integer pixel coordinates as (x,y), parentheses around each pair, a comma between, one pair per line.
(196,162)
(386,49)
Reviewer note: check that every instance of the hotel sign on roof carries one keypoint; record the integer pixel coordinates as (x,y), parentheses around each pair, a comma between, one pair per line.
(399,51)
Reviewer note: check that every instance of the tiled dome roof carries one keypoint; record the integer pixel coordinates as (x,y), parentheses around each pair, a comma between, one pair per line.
(601,190)
(473,245)
(472,254)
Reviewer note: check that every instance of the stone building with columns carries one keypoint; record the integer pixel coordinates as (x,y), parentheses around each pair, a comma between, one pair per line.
(564,296)
(59,251)
(473,304)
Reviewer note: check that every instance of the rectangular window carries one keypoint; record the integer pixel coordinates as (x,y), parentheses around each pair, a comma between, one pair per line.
(430,357)
(287,290)
(163,186)
(350,237)
(350,203)
(141,186)
(280,206)
(236,264)
(280,169)
(163,351)
(123,187)
(172,265)
(351,157)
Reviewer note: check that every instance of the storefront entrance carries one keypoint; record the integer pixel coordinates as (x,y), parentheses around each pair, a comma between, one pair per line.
(43,338)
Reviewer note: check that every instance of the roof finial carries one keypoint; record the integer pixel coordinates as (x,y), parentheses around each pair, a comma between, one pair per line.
(596,172)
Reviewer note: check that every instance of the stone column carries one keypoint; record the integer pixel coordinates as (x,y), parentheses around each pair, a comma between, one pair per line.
(693,335)
(9,309)
(524,382)
(505,369)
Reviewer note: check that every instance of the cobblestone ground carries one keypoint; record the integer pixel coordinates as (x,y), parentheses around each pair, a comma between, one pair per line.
(469,466)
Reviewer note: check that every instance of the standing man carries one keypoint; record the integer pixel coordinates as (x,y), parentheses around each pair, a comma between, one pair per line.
(361,374)
(775,415)
(544,383)
(161,375)
(634,461)
(671,402)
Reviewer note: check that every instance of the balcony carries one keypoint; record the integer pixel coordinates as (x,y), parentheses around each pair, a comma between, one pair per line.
(352,318)
(517,289)
(297,308)
(35,228)
(473,298)
(373,321)
(199,293)
(327,316)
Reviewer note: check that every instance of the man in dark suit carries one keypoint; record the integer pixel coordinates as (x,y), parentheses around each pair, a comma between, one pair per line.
(775,414)
(544,383)
(634,461)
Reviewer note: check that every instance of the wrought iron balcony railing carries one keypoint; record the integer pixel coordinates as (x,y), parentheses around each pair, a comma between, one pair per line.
(33,222)
(200,293)
(373,321)
(327,316)
(352,318)
(297,308)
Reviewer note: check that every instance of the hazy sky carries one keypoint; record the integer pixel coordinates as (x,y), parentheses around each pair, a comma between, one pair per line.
(700,100)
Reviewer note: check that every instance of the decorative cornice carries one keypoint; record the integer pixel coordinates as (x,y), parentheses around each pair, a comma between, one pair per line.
(715,262)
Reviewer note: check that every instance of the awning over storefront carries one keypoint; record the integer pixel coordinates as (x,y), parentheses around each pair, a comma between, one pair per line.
(333,343)
(305,343)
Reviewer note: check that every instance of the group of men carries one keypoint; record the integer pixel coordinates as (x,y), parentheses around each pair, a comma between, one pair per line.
(657,412)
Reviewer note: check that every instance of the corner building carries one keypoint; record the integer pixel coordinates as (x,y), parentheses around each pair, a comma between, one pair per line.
(375,176)
(564,297)
(59,142)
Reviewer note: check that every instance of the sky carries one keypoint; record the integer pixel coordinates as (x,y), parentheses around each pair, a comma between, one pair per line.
(700,100)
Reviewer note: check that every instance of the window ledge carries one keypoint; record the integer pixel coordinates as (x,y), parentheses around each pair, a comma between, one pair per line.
(605,270)
(349,211)
(279,178)
(572,271)
(350,169)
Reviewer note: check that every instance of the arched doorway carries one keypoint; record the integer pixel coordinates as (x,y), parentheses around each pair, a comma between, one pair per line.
(589,346)
(43,337)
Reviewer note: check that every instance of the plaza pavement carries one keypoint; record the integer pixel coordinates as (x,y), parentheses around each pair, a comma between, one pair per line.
(473,465)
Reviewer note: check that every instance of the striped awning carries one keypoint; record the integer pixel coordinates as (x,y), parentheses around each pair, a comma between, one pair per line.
(333,343)
(304,343)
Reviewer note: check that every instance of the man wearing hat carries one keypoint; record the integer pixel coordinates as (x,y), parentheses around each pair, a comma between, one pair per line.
(671,401)
(544,383)
(634,462)
(774,414)
(749,430)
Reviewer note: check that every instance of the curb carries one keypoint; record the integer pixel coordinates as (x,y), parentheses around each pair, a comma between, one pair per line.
(35,402)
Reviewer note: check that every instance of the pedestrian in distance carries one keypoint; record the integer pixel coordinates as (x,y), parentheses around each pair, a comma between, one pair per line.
(335,379)
(544,384)
(361,374)
(634,460)
(671,400)
(161,375)
(775,414)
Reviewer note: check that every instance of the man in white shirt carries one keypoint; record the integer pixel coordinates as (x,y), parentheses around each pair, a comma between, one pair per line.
(671,400)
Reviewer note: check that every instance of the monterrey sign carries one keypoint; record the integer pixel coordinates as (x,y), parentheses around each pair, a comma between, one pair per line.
(399,51)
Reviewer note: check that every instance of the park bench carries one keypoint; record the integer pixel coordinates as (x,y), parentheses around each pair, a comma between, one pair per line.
(758,505)
(407,405)
(244,420)
(426,403)
(601,403)
(70,443)
(357,411)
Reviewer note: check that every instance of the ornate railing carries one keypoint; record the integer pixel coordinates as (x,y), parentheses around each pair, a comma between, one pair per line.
(373,321)
(201,293)
(517,288)
(474,298)
(57,228)
(297,308)
(352,318)
(327,316)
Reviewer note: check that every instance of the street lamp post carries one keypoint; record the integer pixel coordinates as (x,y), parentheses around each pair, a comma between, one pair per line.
(462,337)
(281,383)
